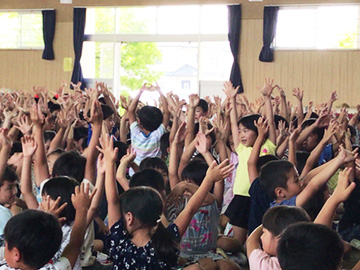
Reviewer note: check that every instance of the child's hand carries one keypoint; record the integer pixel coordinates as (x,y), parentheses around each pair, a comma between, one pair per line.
(24,125)
(201,143)
(330,131)
(262,127)
(5,140)
(96,114)
(268,87)
(294,135)
(81,199)
(194,100)
(54,209)
(347,156)
(333,97)
(229,90)
(28,146)
(37,116)
(344,187)
(107,148)
(100,165)
(219,172)
(298,94)
(129,157)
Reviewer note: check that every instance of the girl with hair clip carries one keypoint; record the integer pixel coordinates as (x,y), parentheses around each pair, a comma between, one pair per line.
(138,238)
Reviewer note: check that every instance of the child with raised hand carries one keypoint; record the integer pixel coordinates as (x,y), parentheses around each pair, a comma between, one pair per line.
(137,236)
(244,135)
(262,242)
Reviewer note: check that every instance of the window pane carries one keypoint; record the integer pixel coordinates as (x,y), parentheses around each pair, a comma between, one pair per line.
(296,28)
(178,20)
(337,27)
(215,61)
(31,30)
(136,20)
(100,21)
(97,60)
(214,19)
(9,35)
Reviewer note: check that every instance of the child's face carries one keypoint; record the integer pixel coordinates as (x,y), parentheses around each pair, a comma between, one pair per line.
(247,136)
(198,113)
(310,142)
(293,184)
(51,161)
(7,192)
(269,242)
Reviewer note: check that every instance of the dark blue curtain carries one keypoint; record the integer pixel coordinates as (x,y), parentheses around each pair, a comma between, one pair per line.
(269,28)
(49,20)
(79,28)
(234,13)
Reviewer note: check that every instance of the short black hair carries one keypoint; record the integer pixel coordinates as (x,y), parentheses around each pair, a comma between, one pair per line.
(62,187)
(203,105)
(248,122)
(195,171)
(49,135)
(165,143)
(80,132)
(153,163)
(9,175)
(70,164)
(278,218)
(318,131)
(275,174)
(122,148)
(57,151)
(16,148)
(36,234)
(54,107)
(150,117)
(148,178)
(310,246)
(263,160)
(301,158)
(278,118)
(107,111)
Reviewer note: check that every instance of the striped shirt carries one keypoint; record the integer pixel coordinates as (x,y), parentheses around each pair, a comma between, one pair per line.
(146,145)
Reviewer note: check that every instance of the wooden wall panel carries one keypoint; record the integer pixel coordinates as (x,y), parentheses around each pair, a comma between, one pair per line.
(318,73)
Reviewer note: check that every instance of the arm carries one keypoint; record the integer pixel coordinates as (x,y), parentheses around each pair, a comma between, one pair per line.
(292,145)
(341,194)
(181,187)
(280,150)
(186,155)
(331,101)
(299,111)
(134,103)
(166,112)
(253,241)
(96,119)
(121,171)
(123,128)
(266,92)
(190,122)
(263,128)
(28,147)
(214,173)
(231,92)
(283,104)
(5,151)
(175,153)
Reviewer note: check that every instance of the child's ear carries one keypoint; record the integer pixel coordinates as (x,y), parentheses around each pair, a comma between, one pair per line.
(129,217)
(13,257)
(280,192)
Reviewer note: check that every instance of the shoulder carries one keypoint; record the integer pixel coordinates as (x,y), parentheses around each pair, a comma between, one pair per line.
(174,230)
(269,146)
(259,259)
(5,266)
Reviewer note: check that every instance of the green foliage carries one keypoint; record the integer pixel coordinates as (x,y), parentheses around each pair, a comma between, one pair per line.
(136,57)
(349,41)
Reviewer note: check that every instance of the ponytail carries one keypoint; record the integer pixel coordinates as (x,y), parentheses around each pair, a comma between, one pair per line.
(166,248)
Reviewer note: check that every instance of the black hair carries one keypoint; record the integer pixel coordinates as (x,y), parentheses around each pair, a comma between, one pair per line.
(211,134)
(9,175)
(84,144)
(122,148)
(352,130)
(195,171)
(263,160)
(248,122)
(16,148)
(49,135)
(148,178)
(278,218)
(36,234)
(62,187)
(301,158)
(54,107)
(80,132)
(165,143)
(318,131)
(70,164)
(278,118)
(57,151)
(146,205)
(150,117)
(107,111)
(153,163)
(310,246)
(203,105)
(275,174)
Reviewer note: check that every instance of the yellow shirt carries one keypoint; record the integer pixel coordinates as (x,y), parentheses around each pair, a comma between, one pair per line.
(242,182)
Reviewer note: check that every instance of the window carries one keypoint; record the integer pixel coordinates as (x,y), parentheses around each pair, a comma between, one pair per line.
(176,46)
(318,27)
(23,30)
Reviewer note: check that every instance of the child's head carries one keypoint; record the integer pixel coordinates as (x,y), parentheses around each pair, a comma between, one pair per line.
(8,186)
(195,171)
(62,187)
(280,179)
(275,221)
(201,109)
(52,157)
(310,246)
(247,129)
(49,135)
(142,207)
(70,164)
(150,118)
(149,178)
(32,238)
(157,164)
(16,156)
(314,138)
(210,138)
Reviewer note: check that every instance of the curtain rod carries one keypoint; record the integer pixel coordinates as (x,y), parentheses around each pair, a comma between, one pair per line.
(311,4)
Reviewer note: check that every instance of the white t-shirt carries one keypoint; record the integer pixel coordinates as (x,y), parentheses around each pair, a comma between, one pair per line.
(5,215)
(62,264)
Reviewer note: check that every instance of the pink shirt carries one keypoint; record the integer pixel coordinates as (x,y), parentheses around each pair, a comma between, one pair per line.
(260,260)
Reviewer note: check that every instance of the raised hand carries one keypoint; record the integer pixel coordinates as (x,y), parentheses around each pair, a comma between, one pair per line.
(107,148)
(219,172)
(24,124)
(262,126)
(81,199)
(36,116)
(229,90)
(180,134)
(129,157)
(96,114)
(28,146)
(193,100)
(5,140)
(268,87)
(201,143)
(53,208)
(298,94)
(345,186)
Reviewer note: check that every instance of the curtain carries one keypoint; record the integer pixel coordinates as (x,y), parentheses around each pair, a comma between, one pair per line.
(270,18)
(79,28)
(234,13)
(49,20)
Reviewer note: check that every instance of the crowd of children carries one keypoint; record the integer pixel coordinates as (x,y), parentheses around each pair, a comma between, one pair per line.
(196,184)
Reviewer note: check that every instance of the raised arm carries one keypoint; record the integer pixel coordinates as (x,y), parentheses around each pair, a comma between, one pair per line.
(266,91)
(190,121)
(214,173)
(175,153)
(284,110)
(6,145)
(134,104)
(299,110)
(332,99)
(124,164)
